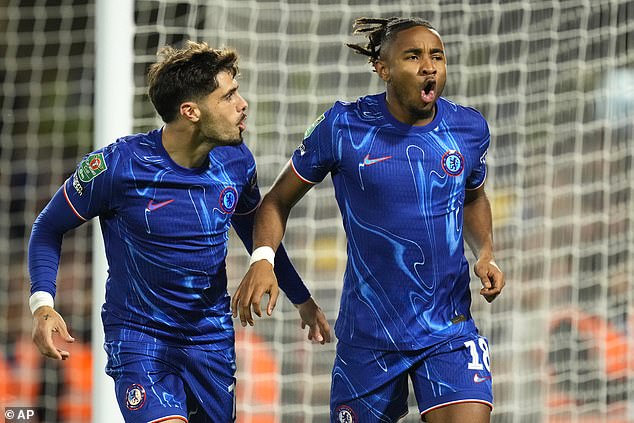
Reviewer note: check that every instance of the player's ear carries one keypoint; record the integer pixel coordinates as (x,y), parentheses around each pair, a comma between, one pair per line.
(190,111)
(382,69)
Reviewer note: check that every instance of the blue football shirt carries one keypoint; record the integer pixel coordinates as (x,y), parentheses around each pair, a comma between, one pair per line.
(400,191)
(165,230)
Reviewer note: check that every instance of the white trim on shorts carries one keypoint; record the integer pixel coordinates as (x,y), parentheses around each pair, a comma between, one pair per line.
(445,404)
(175,416)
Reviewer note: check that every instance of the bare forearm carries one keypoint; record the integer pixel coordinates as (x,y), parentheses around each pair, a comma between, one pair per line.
(270,223)
(478,232)
(272,215)
(478,226)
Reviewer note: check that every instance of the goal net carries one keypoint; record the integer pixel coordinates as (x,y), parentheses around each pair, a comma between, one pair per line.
(555,80)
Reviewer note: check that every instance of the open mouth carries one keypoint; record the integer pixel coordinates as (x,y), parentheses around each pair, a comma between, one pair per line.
(428,92)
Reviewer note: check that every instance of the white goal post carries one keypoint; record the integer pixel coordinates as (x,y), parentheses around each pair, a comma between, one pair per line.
(114,88)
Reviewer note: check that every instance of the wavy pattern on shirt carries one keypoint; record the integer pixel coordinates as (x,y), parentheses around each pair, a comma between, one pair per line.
(400,190)
(166,233)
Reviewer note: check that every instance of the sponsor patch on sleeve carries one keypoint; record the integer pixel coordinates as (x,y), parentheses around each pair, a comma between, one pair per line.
(92,167)
(312,127)
(77,185)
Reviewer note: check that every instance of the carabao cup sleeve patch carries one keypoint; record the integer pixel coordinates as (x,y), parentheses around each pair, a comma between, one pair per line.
(91,167)
(312,127)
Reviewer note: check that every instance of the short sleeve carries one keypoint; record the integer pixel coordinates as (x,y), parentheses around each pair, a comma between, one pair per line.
(479,172)
(316,156)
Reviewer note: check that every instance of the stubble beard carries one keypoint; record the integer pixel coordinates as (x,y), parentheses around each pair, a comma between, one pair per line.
(218,139)
(215,137)
(234,141)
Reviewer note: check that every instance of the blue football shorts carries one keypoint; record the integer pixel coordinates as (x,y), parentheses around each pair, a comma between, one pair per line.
(372,386)
(155,382)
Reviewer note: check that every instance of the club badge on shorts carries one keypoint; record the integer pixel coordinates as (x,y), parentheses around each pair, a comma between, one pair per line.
(135,397)
(345,414)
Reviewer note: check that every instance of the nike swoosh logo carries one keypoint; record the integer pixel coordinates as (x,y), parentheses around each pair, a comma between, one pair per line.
(479,379)
(367,161)
(151,206)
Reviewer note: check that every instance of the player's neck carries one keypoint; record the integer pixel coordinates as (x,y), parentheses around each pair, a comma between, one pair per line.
(183,146)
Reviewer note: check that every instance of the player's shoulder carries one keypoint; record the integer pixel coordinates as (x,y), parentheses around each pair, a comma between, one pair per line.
(371,101)
(343,112)
(237,159)
(338,108)
(365,107)
(142,143)
(135,145)
(456,108)
(464,114)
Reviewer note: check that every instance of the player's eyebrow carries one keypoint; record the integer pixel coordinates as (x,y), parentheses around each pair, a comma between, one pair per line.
(419,51)
(231,91)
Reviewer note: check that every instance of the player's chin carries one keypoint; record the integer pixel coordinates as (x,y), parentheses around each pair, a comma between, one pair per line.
(427,107)
(423,110)
(234,141)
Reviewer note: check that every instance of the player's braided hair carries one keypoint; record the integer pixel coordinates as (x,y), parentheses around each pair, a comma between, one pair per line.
(380,31)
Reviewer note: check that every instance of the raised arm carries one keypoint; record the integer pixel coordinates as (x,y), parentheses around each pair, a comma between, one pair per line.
(478,233)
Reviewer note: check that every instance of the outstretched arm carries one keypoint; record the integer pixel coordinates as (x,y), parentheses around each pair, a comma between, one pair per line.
(478,233)
(270,224)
